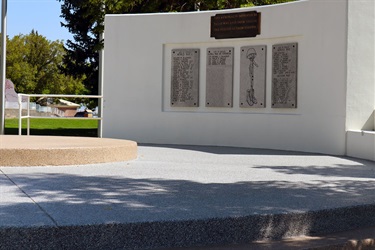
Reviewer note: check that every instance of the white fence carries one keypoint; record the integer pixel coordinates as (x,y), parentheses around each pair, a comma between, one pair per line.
(30,106)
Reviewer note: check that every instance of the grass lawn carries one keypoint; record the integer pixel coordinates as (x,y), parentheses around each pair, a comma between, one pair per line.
(62,127)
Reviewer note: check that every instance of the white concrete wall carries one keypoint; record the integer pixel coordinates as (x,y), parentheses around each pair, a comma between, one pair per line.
(361,65)
(361,79)
(361,144)
(137,80)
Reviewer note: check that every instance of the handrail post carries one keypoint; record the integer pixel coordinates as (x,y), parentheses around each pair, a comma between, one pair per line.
(28,115)
(19,114)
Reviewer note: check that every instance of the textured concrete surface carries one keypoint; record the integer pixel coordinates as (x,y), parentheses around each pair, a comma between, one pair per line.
(360,239)
(175,196)
(54,150)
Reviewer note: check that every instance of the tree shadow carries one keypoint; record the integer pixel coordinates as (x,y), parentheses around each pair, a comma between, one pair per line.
(328,166)
(145,213)
(364,169)
(137,211)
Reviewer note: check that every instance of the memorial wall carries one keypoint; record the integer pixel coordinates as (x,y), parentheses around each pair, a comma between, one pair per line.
(219,76)
(219,68)
(267,77)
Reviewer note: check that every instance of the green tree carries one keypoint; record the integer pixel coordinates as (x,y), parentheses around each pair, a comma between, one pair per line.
(84,19)
(33,64)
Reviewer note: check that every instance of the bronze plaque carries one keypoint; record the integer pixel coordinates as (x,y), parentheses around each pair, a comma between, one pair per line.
(235,25)
(185,78)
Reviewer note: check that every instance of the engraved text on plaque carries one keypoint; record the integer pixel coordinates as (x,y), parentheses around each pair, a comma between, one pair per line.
(284,75)
(219,77)
(185,78)
(235,25)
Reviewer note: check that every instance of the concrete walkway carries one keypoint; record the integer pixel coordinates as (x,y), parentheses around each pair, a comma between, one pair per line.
(174,196)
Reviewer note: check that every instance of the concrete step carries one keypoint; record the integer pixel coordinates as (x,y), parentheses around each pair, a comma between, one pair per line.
(360,239)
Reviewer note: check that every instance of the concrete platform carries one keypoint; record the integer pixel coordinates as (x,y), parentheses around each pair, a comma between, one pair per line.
(185,196)
(55,150)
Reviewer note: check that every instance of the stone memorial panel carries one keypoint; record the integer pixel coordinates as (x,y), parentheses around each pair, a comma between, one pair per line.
(185,78)
(219,77)
(253,77)
(284,75)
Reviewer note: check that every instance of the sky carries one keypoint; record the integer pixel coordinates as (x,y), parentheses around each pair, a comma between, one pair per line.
(41,15)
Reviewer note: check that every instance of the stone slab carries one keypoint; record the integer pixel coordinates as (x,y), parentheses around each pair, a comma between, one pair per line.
(219,77)
(185,78)
(284,75)
(253,76)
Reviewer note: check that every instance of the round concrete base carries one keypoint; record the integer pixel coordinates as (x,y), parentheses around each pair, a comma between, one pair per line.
(56,150)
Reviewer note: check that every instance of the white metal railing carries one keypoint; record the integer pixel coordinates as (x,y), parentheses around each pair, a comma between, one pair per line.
(28,116)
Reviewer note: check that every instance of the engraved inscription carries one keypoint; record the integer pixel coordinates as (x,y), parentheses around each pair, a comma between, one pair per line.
(185,78)
(284,75)
(219,77)
(253,76)
(235,25)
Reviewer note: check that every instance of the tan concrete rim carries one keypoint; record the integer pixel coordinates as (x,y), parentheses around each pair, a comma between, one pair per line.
(62,150)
